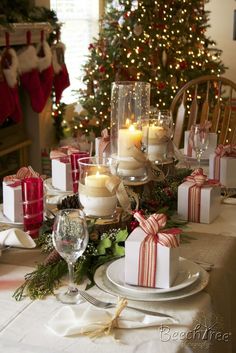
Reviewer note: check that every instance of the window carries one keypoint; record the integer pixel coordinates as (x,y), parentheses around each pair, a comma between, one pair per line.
(79,26)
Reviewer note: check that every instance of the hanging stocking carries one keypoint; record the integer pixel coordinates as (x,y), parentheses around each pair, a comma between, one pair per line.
(61,77)
(29,75)
(9,67)
(45,67)
(6,98)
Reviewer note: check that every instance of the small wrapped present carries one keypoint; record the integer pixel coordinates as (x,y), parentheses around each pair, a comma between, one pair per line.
(152,253)
(199,198)
(12,194)
(102,144)
(188,150)
(61,168)
(222,165)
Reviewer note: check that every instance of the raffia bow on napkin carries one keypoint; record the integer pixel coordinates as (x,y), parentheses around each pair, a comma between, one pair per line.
(104,142)
(88,320)
(24,172)
(153,227)
(222,151)
(198,180)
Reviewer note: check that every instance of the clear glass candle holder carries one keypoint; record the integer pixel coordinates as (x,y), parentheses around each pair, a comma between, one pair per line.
(130,107)
(94,195)
(159,135)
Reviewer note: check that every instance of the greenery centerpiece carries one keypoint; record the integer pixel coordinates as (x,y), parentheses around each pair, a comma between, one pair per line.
(106,243)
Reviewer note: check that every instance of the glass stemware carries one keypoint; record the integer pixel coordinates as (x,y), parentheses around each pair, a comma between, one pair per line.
(70,238)
(199,140)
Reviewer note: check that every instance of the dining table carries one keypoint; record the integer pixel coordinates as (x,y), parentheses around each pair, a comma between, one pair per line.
(204,321)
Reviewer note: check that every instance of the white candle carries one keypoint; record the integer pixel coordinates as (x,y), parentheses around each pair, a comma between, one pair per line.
(96,180)
(128,138)
(97,206)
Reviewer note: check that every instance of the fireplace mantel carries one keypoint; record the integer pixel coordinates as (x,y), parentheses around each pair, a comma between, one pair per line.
(17,32)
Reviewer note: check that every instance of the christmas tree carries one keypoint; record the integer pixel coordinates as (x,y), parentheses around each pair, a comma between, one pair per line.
(163,42)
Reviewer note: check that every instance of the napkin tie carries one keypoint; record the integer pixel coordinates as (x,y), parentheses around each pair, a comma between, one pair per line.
(148,248)
(24,172)
(63,153)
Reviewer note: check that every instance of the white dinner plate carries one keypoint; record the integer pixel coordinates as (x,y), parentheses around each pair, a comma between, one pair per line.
(5,220)
(104,284)
(187,275)
(53,191)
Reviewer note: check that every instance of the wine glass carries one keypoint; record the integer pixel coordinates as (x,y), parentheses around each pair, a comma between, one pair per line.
(199,140)
(70,238)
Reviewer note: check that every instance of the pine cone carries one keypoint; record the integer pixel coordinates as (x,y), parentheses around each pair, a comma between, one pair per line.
(69,202)
(52,258)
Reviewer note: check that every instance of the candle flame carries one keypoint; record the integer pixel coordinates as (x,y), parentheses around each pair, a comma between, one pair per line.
(132,128)
(97,174)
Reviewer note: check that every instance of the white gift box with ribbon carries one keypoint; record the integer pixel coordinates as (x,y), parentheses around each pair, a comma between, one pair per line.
(222,165)
(210,149)
(12,201)
(152,253)
(167,261)
(206,208)
(61,174)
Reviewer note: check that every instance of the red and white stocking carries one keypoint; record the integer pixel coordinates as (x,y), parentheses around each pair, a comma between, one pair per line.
(29,77)
(45,68)
(61,77)
(9,97)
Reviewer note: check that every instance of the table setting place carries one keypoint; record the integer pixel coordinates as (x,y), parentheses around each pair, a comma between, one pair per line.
(122,229)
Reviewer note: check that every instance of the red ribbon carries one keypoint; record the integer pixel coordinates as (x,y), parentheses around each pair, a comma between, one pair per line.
(104,142)
(63,153)
(198,180)
(222,151)
(148,247)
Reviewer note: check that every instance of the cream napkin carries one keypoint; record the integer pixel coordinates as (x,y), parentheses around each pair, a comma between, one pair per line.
(72,320)
(17,238)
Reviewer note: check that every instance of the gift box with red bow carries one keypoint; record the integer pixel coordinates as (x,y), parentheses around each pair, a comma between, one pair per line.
(61,168)
(12,194)
(222,165)
(199,198)
(152,253)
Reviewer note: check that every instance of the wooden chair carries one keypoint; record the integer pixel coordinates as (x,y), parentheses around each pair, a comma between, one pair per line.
(205,98)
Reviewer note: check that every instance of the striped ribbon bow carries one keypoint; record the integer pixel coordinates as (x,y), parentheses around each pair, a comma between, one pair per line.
(63,153)
(222,151)
(148,248)
(104,142)
(24,172)
(198,180)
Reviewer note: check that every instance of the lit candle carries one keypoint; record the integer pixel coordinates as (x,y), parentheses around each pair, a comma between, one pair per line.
(95,198)
(128,138)
(97,180)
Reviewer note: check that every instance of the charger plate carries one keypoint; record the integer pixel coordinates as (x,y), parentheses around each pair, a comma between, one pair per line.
(188,273)
(105,285)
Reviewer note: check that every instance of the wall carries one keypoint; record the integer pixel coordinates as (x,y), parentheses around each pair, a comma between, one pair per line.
(221,31)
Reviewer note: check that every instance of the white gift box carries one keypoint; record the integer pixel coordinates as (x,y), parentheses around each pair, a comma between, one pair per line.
(62,175)
(209,202)
(211,147)
(12,202)
(167,264)
(227,170)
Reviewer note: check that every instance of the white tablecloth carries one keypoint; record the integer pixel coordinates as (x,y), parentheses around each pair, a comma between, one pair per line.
(22,324)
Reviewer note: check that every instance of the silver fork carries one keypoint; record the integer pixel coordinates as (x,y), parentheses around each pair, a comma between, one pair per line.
(106,305)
